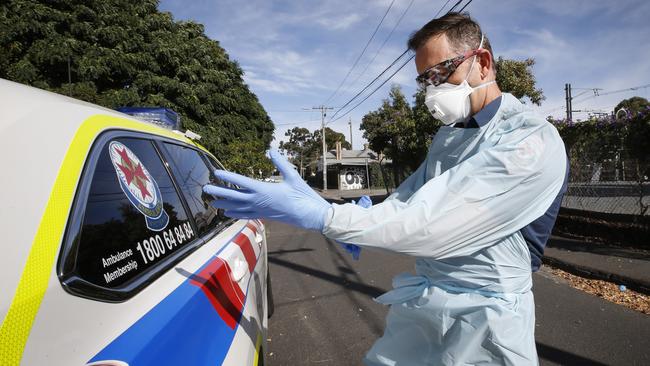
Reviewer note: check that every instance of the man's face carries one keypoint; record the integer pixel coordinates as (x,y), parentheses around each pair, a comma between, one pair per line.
(437,50)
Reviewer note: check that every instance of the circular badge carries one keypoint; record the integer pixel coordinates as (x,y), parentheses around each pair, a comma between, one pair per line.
(138,185)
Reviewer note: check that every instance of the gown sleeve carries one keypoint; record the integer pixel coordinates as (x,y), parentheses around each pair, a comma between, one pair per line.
(472,205)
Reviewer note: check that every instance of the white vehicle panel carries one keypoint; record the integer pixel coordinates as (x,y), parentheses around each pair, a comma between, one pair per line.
(71,330)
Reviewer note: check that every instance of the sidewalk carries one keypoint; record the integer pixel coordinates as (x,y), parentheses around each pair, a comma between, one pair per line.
(342,196)
(623,266)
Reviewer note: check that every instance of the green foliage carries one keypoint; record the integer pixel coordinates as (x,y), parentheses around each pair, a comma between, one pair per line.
(610,148)
(241,162)
(299,139)
(399,131)
(127,53)
(331,138)
(608,137)
(425,126)
(304,147)
(300,146)
(516,77)
(380,176)
(633,105)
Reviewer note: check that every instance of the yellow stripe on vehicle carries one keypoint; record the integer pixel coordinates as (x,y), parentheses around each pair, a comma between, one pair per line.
(40,261)
(258,349)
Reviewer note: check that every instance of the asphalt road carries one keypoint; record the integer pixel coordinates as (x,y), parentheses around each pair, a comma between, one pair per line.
(325,315)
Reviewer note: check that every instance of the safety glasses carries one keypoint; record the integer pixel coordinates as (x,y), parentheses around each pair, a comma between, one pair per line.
(439,73)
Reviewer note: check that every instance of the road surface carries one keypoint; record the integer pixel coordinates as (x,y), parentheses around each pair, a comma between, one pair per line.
(325,315)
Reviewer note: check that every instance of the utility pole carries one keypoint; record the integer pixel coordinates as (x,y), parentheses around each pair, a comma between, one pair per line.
(323,113)
(569,98)
(567,94)
(570,104)
(351,144)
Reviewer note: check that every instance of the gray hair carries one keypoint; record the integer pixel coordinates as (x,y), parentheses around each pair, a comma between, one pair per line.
(462,32)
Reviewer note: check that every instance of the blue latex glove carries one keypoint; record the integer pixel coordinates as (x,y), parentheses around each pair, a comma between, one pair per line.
(292,201)
(355,250)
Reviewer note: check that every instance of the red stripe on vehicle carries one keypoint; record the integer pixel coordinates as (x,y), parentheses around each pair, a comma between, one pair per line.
(244,242)
(253,227)
(225,296)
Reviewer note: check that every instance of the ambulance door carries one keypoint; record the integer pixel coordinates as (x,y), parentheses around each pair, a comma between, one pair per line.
(259,290)
(237,270)
(146,270)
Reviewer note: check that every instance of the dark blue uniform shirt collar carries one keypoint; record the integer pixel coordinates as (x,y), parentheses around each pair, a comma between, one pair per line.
(482,117)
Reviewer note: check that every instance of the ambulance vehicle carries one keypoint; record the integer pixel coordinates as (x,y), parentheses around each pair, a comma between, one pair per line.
(110,252)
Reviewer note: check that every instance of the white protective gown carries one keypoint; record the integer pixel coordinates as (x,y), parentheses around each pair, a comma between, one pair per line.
(460,213)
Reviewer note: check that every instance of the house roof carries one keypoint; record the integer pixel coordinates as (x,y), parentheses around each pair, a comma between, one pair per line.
(349,154)
(353,157)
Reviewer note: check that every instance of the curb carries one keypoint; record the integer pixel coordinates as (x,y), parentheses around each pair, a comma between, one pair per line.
(337,200)
(589,272)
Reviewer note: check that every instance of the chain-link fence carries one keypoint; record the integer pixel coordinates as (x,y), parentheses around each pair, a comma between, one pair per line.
(608,197)
(614,182)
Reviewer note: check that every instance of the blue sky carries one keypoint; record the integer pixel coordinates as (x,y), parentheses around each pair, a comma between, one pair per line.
(296,53)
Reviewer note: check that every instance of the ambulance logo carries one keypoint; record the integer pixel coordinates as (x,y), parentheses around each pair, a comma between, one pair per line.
(138,186)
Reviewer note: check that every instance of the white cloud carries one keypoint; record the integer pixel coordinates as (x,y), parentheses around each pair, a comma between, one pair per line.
(295,54)
(340,23)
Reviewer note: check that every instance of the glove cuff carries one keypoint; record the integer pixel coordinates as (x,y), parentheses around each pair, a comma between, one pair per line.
(327,218)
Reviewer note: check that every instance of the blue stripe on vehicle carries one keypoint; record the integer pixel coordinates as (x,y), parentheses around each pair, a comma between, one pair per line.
(183,329)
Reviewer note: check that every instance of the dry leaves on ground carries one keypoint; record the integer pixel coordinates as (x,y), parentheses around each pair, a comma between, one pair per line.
(608,291)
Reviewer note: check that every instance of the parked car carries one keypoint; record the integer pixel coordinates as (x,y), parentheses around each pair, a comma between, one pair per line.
(112,254)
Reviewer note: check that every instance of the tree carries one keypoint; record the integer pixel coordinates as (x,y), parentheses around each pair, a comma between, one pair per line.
(126,53)
(516,77)
(241,162)
(331,138)
(304,147)
(425,126)
(299,147)
(633,105)
(392,130)
(401,132)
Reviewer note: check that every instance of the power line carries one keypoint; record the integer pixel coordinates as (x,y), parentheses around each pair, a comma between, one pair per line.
(597,93)
(585,91)
(624,90)
(382,45)
(454,7)
(463,8)
(613,92)
(553,109)
(373,92)
(370,84)
(435,16)
(332,119)
(362,52)
(286,111)
(296,123)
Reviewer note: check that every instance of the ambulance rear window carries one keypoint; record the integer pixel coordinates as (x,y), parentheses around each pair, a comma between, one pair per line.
(192,174)
(133,218)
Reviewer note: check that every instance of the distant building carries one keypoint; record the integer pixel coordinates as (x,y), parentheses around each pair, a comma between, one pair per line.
(349,169)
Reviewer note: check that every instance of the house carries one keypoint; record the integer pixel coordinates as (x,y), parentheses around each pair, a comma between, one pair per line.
(349,169)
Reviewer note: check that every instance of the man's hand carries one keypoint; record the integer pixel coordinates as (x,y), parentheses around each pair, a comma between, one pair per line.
(292,201)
